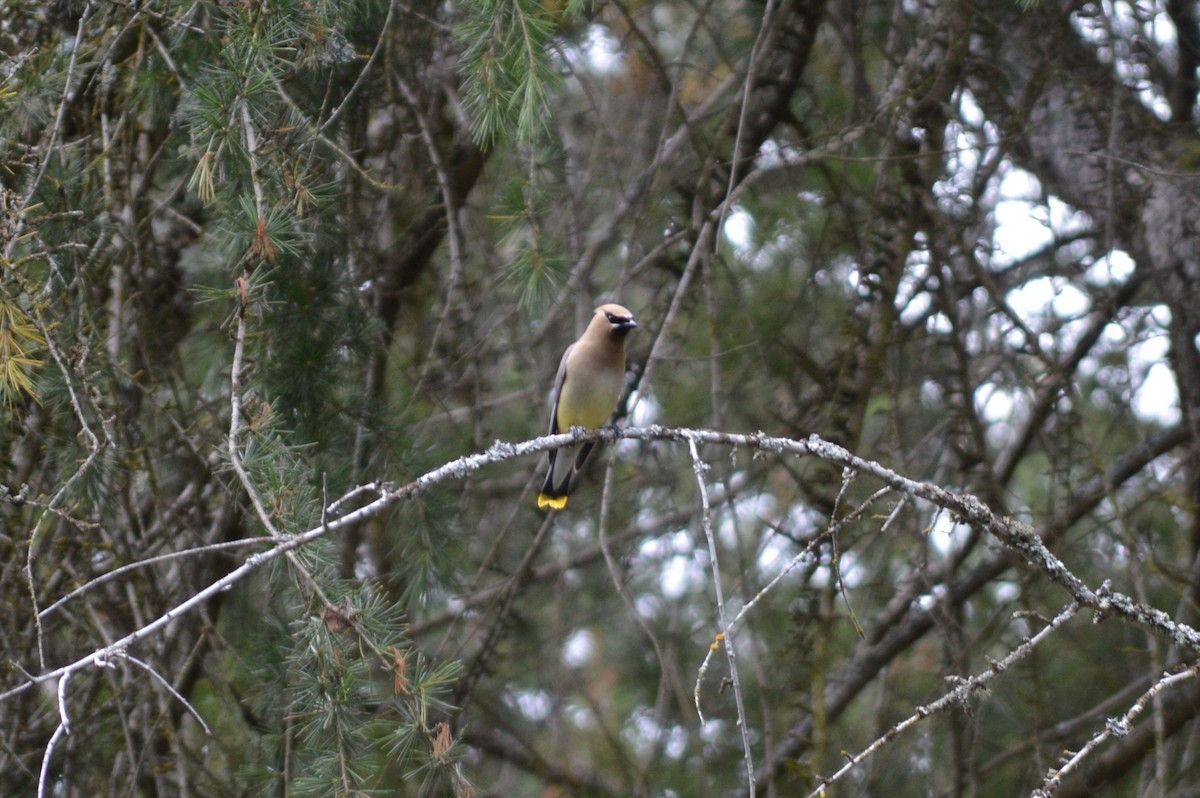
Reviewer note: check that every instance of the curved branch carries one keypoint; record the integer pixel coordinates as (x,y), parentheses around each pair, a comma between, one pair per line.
(1017,537)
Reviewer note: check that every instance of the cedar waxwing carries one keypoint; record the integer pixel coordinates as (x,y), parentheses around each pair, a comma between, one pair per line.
(586,389)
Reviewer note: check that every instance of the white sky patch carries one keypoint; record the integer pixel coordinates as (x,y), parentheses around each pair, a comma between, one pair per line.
(969,110)
(1114,336)
(911,297)
(643,731)
(1156,398)
(1006,591)
(1145,382)
(1161,29)
(1069,302)
(580,717)
(1018,184)
(745,511)
(773,156)
(677,740)
(928,601)
(774,556)
(677,563)
(995,403)
(1025,223)
(678,542)
(972,140)
(677,576)
(1050,299)
(849,569)
(939,324)
(1064,219)
(944,534)
(803,520)
(915,308)
(579,648)
(602,50)
(1020,230)
(933,394)
(1033,296)
(1001,431)
(738,229)
(646,410)
(713,730)
(533,704)
(579,531)
(1118,33)
(1113,269)
(648,606)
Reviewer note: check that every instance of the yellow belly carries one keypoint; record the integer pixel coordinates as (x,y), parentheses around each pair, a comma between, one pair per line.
(588,403)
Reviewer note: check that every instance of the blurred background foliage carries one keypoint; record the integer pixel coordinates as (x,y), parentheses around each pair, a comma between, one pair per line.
(959,239)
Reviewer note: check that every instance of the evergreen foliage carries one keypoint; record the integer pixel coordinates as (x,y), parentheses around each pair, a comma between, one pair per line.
(275,277)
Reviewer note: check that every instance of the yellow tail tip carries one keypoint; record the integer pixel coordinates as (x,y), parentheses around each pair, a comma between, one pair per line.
(553,502)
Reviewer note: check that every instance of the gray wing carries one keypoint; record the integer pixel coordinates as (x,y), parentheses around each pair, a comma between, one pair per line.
(559,379)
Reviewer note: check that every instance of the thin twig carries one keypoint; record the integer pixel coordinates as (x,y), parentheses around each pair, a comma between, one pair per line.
(764,30)
(700,251)
(1113,727)
(362,75)
(108,576)
(44,775)
(698,468)
(606,550)
(88,437)
(959,696)
(1016,536)
(170,689)
(828,534)
(457,281)
(55,131)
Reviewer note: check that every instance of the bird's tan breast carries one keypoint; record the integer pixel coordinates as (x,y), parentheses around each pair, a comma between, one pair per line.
(590,392)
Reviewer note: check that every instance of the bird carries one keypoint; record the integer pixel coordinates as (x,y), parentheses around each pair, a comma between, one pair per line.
(586,389)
